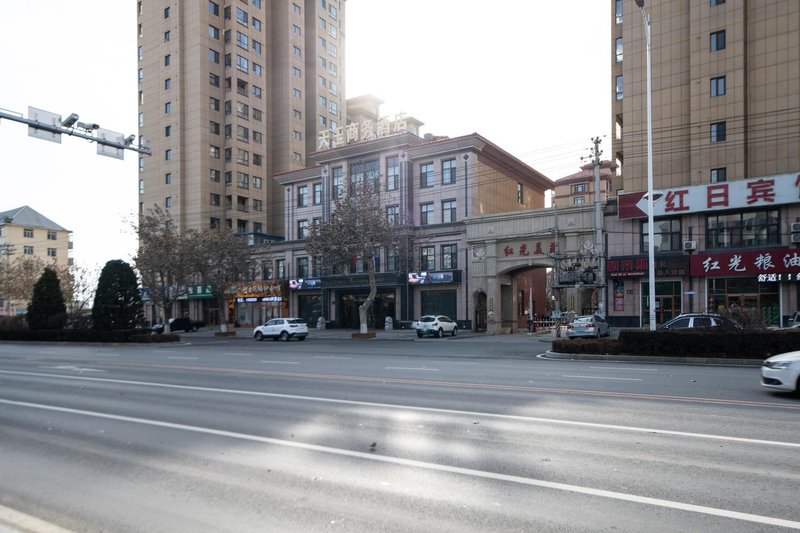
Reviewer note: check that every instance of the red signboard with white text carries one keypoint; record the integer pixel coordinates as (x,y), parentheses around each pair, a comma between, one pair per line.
(755,192)
(738,262)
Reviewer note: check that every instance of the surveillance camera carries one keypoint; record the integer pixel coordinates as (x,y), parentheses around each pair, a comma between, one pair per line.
(129,139)
(88,126)
(70,120)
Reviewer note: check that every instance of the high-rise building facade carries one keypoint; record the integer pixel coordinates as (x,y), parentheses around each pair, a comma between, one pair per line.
(232,92)
(725,78)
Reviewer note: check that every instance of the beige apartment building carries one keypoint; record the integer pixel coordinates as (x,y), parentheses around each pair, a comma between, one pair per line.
(726,158)
(26,233)
(232,92)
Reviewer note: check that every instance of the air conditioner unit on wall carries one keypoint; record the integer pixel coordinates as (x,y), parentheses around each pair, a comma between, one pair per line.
(795,227)
(690,245)
(795,238)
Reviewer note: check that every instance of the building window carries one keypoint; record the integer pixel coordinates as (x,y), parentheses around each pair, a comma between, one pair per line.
(168,178)
(243,180)
(167,59)
(213,8)
(257,137)
(280,268)
(51,252)
(427,258)
(167,36)
(298,136)
(166,12)
(168,154)
(242,63)
(618,84)
(256,24)
(213,175)
(213,79)
(302,267)
(257,205)
(753,228)
(27,250)
(302,229)
(449,256)
(393,214)
(716,2)
(168,202)
(302,196)
(448,211)
(256,182)
(364,173)
(337,183)
(426,214)
(168,107)
(618,49)
(214,152)
(717,132)
(213,32)
(719,175)
(392,173)
(317,193)
(241,16)
(214,199)
(717,40)
(666,235)
(296,29)
(295,8)
(578,200)
(213,127)
(167,84)
(242,40)
(257,92)
(297,51)
(520,194)
(579,187)
(213,56)
(27,233)
(51,235)
(296,72)
(426,175)
(213,103)
(718,86)
(392,261)
(618,11)
(448,171)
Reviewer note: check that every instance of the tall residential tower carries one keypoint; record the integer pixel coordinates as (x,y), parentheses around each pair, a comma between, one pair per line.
(232,92)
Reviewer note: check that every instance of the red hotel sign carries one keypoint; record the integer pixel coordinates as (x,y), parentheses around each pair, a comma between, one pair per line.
(756,192)
(745,262)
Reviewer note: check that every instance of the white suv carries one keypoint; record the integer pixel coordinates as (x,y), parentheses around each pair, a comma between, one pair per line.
(283,329)
(436,325)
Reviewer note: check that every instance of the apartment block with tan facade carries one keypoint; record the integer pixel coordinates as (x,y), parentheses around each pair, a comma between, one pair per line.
(26,233)
(726,158)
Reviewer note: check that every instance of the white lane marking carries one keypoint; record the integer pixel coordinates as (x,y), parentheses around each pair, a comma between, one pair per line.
(624,369)
(26,522)
(423,369)
(330,357)
(282,362)
(237,353)
(575,423)
(74,368)
(601,377)
(183,358)
(645,500)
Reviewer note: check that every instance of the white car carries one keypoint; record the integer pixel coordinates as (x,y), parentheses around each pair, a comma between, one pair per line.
(436,325)
(283,329)
(782,372)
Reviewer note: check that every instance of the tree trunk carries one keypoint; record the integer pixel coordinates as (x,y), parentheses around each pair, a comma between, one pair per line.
(363,308)
(222,303)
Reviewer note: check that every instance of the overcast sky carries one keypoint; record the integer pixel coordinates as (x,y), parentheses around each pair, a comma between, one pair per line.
(530,76)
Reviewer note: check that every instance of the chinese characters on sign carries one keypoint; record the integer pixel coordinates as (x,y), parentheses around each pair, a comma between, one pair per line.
(365,130)
(637,266)
(199,291)
(739,262)
(524,250)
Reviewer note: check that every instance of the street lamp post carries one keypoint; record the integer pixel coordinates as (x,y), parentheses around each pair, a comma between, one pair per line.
(651,263)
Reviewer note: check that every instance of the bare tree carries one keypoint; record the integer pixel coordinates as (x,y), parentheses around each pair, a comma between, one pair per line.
(218,257)
(19,276)
(358,230)
(163,260)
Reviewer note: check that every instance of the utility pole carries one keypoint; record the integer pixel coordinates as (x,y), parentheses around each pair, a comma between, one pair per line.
(598,227)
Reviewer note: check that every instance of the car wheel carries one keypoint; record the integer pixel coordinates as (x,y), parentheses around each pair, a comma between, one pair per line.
(439,333)
(284,336)
(455,331)
(301,338)
(419,334)
(259,336)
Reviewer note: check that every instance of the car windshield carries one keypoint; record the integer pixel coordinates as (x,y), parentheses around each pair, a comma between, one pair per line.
(296,321)
(583,319)
(428,319)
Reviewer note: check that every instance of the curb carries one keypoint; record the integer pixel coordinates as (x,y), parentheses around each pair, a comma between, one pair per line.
(716,361)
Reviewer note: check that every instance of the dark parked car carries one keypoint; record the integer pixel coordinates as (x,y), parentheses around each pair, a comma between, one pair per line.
(702,321)
(180,324)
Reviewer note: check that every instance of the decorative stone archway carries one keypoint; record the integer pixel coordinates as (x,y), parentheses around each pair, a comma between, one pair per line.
(504,243)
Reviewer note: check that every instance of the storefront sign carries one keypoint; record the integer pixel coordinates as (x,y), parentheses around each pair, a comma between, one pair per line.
(776,278)
(636,266)
(300,284)
(358,281)
(619,295)
(196,292)
(251,299)
(739,194)
(244,289)
(427,278)
(737,262)
(366,130)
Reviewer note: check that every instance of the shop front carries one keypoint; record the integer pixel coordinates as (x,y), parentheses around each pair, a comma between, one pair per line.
(761,282)
(251,303)
(308,299)
(343,295)
(438,294)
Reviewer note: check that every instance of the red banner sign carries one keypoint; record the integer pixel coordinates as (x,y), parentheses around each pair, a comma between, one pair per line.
(736,262)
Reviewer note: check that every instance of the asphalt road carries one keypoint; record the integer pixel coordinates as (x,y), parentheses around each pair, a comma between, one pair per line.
(465,434)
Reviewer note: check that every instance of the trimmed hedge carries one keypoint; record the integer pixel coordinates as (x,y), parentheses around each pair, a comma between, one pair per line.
(689,343)
(86,335)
